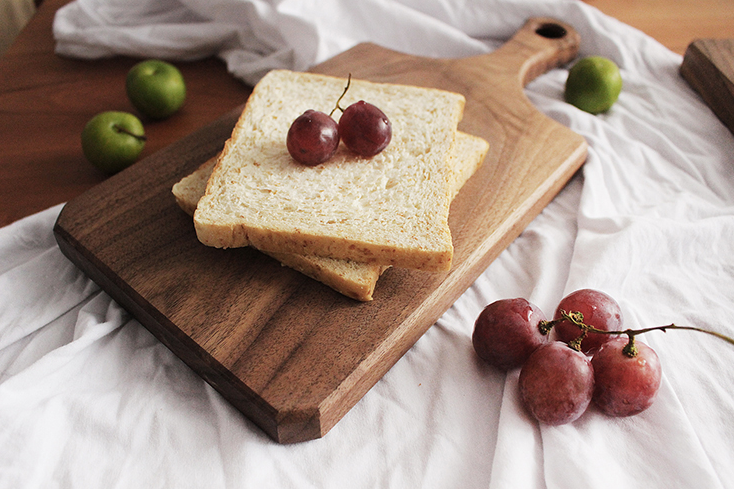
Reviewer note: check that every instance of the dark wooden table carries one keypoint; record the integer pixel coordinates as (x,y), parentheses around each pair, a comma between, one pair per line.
(45,101)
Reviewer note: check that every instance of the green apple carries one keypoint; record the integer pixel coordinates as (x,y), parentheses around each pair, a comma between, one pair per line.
(156,88)
(593,84)
(113,140)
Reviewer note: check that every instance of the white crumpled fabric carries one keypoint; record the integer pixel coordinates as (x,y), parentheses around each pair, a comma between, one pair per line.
(89,399)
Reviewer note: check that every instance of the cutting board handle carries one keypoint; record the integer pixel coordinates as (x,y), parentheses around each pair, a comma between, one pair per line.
(541,44)
(544,43)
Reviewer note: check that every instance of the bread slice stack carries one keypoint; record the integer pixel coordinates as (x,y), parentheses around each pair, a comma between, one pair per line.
(353,279)
(387,210)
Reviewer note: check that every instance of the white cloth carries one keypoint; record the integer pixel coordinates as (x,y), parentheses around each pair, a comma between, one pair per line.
(88,398)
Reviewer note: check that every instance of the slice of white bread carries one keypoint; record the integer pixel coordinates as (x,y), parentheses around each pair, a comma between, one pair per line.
(391,209)
(353,279)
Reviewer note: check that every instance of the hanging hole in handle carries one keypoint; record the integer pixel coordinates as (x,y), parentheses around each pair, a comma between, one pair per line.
(551,31)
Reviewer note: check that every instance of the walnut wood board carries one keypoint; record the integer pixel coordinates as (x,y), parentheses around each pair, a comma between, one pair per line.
(708,66)
(290,353)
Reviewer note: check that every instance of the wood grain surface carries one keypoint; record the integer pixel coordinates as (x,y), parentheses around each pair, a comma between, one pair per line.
(708,66)
(293,355)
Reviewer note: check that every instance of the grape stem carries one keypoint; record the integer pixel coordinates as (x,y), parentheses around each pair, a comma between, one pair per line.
(630,349)
(349,82)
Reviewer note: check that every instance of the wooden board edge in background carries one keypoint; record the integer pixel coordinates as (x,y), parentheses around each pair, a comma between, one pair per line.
(708,67)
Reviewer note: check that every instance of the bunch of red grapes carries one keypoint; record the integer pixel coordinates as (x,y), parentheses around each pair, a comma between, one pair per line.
(314,136)
(561,377)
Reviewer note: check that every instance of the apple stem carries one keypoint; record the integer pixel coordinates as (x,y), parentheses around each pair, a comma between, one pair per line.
(121,129)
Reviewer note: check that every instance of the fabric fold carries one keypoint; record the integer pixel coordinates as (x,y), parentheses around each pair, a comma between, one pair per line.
(89,398)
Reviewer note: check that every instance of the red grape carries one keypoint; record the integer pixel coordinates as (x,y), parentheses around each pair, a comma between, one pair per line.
(625,385)
(600,311)
(506,332)
(365,129)
(312,138)
(556,383)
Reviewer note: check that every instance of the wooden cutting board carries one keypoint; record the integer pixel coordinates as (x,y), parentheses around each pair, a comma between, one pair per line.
(291,354)
(708,66)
